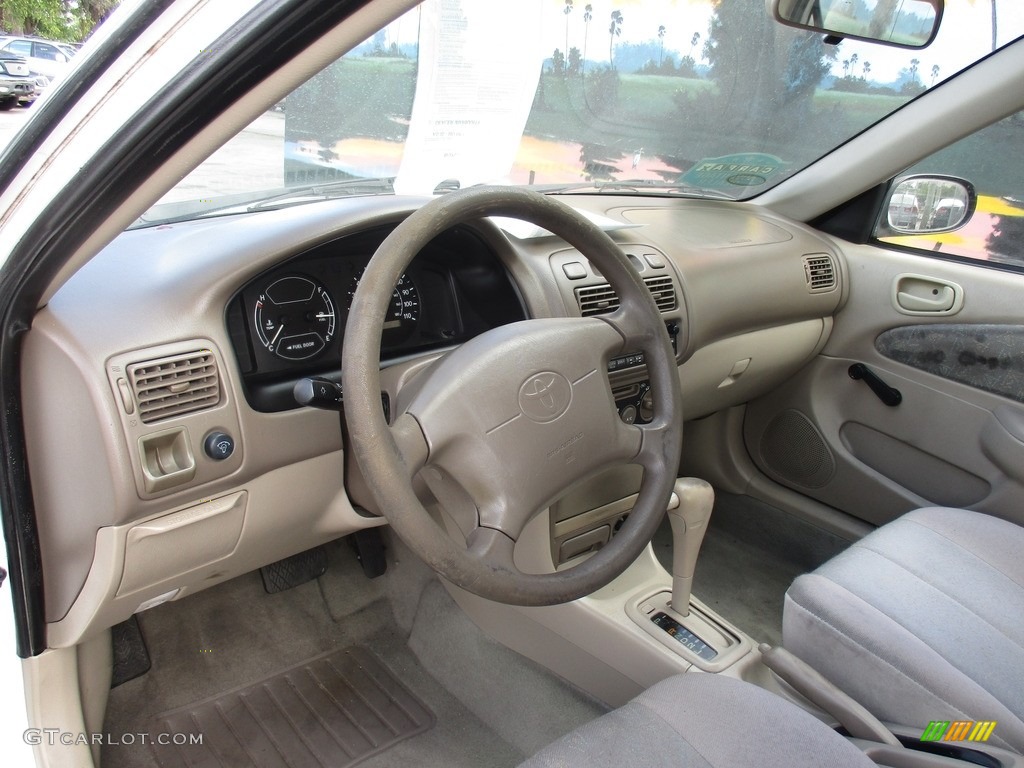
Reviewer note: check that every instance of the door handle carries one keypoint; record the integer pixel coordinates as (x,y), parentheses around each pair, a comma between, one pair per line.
(940,302)
(923,295)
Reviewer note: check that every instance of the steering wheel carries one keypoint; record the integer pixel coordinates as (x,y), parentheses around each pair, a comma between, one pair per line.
(507,422)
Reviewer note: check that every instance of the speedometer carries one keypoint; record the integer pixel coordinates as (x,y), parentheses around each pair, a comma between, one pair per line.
(294,318)
(403,312)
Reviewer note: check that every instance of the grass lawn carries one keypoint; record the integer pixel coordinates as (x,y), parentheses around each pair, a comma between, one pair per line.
(369,97)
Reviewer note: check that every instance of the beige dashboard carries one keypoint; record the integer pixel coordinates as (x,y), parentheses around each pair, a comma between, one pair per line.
(132,378)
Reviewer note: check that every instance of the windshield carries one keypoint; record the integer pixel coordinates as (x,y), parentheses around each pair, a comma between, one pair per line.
(637,96)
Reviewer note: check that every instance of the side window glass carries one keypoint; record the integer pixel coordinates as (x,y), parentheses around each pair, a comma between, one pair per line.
(20,47)
(49,52)
(993,160)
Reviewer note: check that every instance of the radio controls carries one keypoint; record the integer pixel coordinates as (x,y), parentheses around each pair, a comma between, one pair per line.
(626,361)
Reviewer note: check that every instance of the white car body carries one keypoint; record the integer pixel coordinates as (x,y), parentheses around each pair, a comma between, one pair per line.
(44,57)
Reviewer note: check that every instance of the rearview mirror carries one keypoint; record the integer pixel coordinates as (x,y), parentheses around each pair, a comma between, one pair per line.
(903,23)
(928,205)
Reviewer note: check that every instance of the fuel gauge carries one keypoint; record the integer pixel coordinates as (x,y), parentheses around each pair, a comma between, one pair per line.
(294,318)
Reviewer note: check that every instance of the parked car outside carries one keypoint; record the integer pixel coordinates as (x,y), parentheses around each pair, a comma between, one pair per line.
(947,210)
(45,57)
(903,210)
(17,86)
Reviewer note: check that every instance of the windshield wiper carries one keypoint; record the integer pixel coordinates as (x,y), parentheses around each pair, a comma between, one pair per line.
(249,202)
(635,185)
(325,191)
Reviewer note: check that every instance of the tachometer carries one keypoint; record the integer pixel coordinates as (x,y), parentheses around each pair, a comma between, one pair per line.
(403,312)
(294,318)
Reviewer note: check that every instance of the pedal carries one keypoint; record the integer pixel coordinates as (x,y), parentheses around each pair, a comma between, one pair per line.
(131,657)
(295,570)
(369,548)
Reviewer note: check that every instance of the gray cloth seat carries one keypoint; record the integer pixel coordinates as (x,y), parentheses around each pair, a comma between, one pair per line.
(921,620)
(703,721)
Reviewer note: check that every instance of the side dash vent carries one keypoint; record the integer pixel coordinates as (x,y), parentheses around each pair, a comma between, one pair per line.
(820,271)
(600,299)
(171,386)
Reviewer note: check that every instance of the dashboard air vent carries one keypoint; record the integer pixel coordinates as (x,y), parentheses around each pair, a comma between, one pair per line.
(599,299)
(820,272)
(663,291)
(171,386)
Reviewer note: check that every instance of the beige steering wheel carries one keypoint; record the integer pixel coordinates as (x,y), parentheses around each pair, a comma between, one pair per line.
(514,417)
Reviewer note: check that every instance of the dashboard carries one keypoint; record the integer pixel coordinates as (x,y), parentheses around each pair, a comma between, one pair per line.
(174,353)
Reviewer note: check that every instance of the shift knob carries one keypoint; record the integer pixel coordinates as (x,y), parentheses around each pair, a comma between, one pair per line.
(689,522)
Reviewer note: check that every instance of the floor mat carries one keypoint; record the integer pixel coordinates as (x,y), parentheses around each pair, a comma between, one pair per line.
(131,656)
(333,711)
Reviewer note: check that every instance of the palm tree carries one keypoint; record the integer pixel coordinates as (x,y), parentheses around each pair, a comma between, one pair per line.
(866,68)
(567,11)
(914,64)
(853,65)
(588,14)
(661,38)
(614,30)
(935,73)
(995,19)
(994,25)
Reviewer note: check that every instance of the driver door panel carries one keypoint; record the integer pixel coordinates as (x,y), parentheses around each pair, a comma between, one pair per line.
(956,438)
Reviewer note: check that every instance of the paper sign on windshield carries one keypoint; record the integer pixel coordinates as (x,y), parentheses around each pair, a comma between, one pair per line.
(746,169)
(477,77)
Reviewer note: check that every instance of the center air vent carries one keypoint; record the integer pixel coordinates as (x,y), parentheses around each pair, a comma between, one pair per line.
(171,386)
(599,299)
(820,272)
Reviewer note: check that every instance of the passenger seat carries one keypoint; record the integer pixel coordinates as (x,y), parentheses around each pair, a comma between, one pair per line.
(922,620)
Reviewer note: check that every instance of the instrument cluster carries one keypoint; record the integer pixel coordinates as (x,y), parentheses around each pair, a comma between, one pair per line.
(288,323)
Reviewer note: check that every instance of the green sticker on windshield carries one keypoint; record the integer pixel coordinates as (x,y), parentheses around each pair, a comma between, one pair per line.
(746,169)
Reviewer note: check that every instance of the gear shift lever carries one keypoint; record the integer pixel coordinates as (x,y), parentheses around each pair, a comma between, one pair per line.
(689,523)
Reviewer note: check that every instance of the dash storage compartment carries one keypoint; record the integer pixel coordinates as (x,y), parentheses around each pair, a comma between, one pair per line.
(172,545)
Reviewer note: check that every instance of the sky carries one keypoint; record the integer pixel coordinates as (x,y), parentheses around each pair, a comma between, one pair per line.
(965,34)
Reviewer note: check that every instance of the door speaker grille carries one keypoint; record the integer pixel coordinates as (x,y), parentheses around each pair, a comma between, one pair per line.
(794,449)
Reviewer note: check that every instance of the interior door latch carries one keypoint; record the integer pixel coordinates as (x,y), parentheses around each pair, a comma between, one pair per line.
(888,395)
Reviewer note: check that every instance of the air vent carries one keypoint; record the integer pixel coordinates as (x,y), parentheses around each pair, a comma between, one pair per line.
(599,299)
(175,385)
(820,272)
(663,291)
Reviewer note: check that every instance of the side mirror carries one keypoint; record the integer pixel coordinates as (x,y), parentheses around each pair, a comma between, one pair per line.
(927,205)
(902,23)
